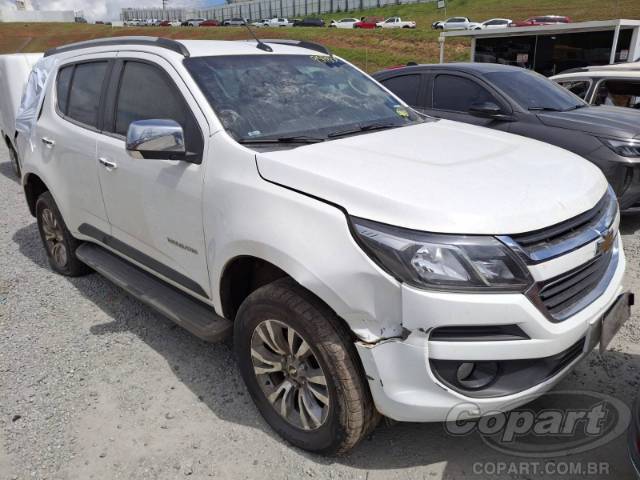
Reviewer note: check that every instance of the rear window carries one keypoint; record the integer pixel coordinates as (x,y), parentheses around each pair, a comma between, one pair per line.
(84,94)
(577,87)
(62,88)
(405,86)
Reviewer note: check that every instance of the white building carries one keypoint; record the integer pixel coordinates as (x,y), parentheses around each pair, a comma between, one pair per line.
(550,49)
(31,16)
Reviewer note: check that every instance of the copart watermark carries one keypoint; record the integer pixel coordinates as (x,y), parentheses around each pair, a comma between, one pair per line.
(554,425)
(526,469)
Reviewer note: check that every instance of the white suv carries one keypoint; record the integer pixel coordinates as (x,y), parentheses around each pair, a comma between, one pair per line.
(367,260)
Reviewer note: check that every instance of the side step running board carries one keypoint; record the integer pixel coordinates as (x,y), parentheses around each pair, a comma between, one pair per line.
(191,314)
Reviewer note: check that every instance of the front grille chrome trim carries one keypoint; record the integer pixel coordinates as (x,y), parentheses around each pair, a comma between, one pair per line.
(565,237)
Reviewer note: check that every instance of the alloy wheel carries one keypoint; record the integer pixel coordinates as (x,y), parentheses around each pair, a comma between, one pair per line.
(290,375)
(54,237)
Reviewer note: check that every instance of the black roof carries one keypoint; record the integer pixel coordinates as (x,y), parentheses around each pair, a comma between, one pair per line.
(469,67)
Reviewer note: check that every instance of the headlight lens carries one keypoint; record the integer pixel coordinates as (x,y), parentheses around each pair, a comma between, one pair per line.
(624,148)
(448,262)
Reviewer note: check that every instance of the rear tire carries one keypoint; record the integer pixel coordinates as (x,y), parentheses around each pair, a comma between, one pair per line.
(301,369)
(15,162)
(59,244)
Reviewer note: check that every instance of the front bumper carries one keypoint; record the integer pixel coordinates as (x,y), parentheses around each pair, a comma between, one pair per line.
(400,373)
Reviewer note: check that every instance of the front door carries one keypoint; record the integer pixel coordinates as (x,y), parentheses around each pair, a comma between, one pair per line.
(155,206)
(453,95)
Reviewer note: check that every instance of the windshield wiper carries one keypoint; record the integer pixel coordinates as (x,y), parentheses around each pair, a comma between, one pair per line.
(544,109)
(289,139)
(575,107)
(363,128)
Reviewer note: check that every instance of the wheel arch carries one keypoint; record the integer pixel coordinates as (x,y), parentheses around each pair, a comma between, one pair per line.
(244,274)
(33,188)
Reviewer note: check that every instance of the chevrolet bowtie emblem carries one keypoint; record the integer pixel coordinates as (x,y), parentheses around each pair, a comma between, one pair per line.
(605,243)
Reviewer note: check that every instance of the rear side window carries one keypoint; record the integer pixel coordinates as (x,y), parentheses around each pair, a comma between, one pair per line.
(577,87)
(159,99)
(62,88)
(84,95)
(457,94)
(405,86)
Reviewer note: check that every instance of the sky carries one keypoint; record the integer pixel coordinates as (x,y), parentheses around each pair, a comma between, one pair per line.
(107,9)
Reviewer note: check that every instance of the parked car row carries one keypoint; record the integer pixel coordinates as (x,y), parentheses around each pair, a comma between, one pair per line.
(372,22)
(464,23)
(364,22)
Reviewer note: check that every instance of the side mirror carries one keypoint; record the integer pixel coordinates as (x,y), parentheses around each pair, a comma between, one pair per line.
(486,110)
(156,139)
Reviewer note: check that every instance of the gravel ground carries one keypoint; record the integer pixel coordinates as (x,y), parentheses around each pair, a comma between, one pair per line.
(93,384)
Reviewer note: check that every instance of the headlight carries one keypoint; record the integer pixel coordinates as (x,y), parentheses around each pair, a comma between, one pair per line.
(447,262)
(624,148)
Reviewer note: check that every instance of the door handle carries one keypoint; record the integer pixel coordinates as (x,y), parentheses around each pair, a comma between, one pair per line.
(48,142)
(110,165)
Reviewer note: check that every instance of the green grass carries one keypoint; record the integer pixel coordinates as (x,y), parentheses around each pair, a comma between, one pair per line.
(369,49)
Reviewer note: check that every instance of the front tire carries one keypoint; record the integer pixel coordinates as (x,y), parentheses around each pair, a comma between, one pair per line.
(301,369)
(59,244)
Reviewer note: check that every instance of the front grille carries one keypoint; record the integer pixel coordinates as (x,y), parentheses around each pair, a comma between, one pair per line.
(561,295)
(559,239)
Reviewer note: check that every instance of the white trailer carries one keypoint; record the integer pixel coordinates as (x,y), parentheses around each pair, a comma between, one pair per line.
(14,73)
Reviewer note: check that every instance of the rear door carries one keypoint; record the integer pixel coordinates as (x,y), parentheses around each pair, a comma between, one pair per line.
(155,206)
(66,135)
(453,94)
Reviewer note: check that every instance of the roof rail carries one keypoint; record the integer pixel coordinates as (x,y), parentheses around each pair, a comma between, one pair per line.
(140,40)
(299,43)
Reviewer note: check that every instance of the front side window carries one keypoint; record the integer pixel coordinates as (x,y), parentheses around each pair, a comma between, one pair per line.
(147,93)
(261,96)
(619,93)
(458,94)
(84,94)
(577,87)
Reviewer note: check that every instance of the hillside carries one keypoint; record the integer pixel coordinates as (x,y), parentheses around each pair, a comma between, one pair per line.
(371,50)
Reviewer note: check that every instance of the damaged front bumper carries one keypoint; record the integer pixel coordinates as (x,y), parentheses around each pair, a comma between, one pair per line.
(414,378)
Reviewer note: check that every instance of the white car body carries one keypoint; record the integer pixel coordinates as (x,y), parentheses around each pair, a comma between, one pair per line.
(344,23)
(277,22)
(194,22)
(235,22)
(592,84)
(455,23)
(492,24)
(396,22)
(291,207)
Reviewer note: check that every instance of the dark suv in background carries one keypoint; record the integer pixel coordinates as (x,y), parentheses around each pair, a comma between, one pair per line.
(523,102)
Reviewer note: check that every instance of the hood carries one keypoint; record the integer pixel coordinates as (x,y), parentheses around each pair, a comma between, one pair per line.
(444,177)
(616,122)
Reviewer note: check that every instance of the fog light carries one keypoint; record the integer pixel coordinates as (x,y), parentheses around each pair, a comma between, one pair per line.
(476,375)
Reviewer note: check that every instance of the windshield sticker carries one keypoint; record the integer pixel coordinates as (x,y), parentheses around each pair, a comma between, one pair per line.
(255,133)
(326,59)
(401,111)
